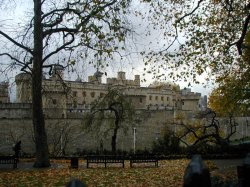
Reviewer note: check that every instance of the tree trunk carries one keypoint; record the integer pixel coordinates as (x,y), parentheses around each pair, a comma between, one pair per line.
(42,153)
(113,141)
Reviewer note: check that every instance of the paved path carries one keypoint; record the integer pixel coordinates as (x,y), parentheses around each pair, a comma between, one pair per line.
(222,164)
(29,166)
(228,164)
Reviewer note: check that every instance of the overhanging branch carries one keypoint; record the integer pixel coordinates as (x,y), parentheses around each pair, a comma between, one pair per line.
(62,47)
(239,43)
(16,43)
(20,63)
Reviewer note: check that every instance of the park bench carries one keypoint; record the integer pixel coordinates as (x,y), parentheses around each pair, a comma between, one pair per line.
(9,160)
(105,159)
(143,159)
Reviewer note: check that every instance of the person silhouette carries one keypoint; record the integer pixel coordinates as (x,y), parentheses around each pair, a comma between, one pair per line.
(17,149)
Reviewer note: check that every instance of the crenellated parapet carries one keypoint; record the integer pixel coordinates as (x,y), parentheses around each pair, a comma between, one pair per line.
(121,80)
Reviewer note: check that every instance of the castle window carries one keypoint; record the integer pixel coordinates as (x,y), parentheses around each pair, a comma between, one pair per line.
(182,102)
(74,103)
(150,97)
(140,100)
(54,101)
(167,98)
(101,95)
(74,94)
(156,98)
(162,98)
(7,140)
(92,94)
(84,94)
(157,135)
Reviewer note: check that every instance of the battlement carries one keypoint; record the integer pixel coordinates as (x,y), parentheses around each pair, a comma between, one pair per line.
(191,95)
(15,105)
(121,80)
(15,110)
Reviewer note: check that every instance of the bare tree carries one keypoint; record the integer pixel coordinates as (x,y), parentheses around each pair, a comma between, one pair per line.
(57,28)
(59,136)
(208,131)
(113,105)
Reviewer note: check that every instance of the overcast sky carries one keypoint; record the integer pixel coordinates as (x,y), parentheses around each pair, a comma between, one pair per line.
(132,64)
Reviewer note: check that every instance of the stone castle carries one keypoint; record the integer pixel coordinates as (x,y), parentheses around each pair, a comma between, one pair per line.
(66,97)
(65,103)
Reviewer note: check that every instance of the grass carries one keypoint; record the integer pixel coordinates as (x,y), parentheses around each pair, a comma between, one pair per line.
(169,173)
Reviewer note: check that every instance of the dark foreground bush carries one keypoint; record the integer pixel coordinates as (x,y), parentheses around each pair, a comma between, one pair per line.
(218,181)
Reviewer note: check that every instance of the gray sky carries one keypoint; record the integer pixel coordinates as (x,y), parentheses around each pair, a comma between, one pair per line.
(132,64)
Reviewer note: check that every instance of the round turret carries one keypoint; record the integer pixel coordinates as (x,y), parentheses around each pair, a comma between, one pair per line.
(78,79)
(23,88)
(121,75)
(98,76)
(57,71)
(21,77)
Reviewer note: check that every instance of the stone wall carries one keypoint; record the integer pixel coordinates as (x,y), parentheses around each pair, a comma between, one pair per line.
(15,110)
(65,105)
(80,138)
(71,135)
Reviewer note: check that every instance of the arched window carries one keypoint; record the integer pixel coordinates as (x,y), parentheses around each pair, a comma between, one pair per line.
(54,101)
(101,95)
(92,94)
(140,100)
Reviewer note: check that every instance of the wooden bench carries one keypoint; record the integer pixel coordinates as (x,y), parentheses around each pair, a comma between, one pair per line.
(9,160)
(105,159)
(143,159)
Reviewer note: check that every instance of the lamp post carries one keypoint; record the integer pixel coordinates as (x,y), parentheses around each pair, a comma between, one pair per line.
(134,132)
(174,103)
(246,131)
(61,142)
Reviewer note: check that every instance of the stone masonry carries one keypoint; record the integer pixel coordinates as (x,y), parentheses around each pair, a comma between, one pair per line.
(65,103)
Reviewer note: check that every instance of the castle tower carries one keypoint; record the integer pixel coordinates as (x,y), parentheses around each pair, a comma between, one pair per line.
(137,80)
(121,75)
(98,76)
(23,88)
(4,93)
(57,72)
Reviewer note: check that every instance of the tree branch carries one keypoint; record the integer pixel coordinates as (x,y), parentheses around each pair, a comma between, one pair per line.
(190,13)
(69,30)
(60,48)
(24,65)
(239,43)
(16,43)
